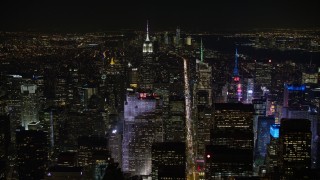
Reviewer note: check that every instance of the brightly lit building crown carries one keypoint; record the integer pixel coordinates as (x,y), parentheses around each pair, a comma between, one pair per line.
(147,45)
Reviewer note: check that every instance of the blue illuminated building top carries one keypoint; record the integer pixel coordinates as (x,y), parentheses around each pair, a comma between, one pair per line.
(274,130)
(296,88)
(235,70)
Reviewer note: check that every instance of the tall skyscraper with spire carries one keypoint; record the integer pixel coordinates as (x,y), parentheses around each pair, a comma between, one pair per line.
(146,71)
(235,69)
(235,89)
(147,45)
(202,108)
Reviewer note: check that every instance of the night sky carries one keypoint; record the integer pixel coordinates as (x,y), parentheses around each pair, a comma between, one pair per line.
(96,15)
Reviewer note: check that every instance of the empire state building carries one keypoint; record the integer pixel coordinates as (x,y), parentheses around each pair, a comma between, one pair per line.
(146,68)
(147,45)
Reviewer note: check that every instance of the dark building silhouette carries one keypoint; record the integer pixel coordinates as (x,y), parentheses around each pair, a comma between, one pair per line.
(65,172)
(4,136)
(68,159)
(32,153)
(5,139)
(93,156)
(169,161)
(223,161)
(2,170)
(295,144)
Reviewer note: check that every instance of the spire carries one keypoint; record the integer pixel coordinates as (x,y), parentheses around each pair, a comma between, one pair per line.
(201,51)
(147,38)
(235,70)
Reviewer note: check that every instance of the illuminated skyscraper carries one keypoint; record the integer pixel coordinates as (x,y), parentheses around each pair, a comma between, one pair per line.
(309,78)
(146,78)
(275,130)
(232,139)
(137,104)
(263,135)
(259,106)
(29,105)
(235,69)
(262,77)
(202,107)
(189,41)
(166,38)
(51,121)
(233,116)
(295,141)
(61,91)
(178,38)
(146,129)
(133,77)
(249,90)
(174,125)
(272,160)
(147,45)
(114,84)
(235,89)
(203,86)
(294,95)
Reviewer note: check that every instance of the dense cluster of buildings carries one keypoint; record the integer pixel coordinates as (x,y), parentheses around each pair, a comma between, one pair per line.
(154,106)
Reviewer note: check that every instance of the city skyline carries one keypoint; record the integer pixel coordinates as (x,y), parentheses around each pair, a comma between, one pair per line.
(141,90)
